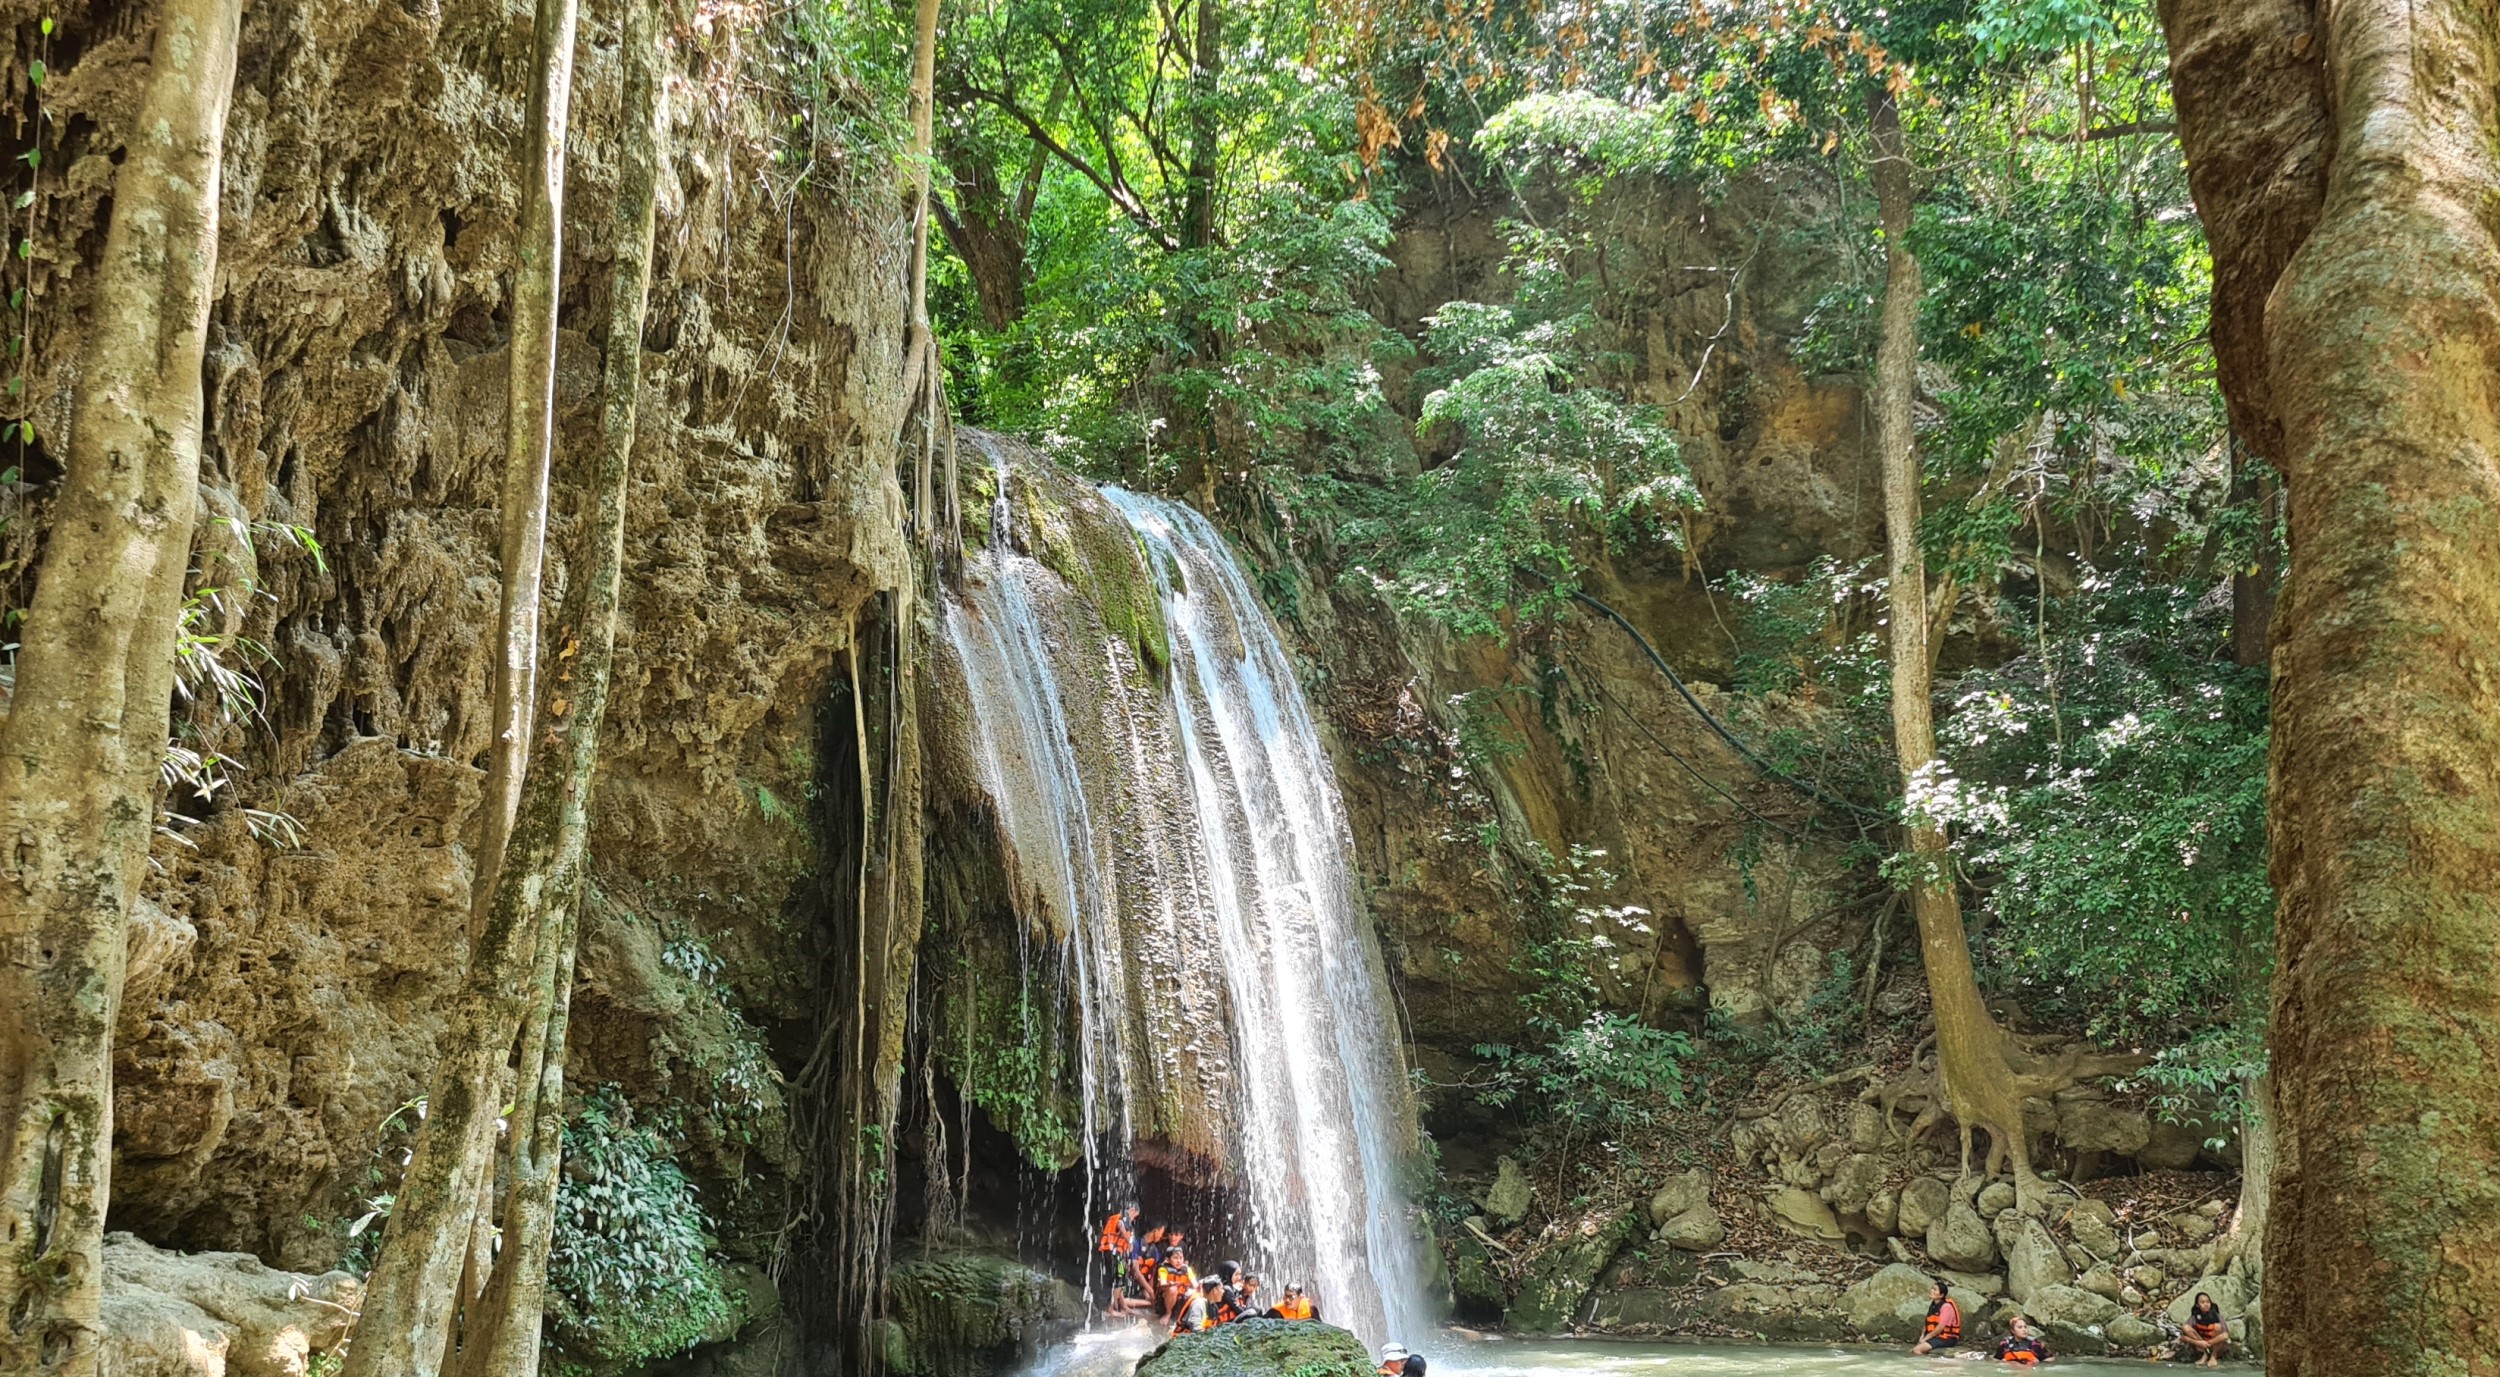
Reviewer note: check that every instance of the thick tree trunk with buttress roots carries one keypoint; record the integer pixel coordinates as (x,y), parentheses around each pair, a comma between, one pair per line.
(2383,346)
(410,1300)
(554,826)
(87,721)
(1977,1083)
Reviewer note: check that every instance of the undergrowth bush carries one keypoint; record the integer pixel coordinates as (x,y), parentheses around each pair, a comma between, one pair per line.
(631,1276)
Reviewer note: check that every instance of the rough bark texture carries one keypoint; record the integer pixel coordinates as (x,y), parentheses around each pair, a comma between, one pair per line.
(416,1285)
(2383,348)
(88,716)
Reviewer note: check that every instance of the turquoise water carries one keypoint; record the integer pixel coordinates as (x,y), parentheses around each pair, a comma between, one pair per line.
(1115,1355)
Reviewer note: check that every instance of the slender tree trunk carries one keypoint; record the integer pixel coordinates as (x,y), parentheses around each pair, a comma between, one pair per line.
(1205,130)
(2383,341)
(1970,1048)
(919,344)
(410,1299)
(556,810)
(87,721)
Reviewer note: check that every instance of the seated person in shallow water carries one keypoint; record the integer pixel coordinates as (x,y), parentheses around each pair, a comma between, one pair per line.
(2206,1337)
(2021,1346)
(1944,1323)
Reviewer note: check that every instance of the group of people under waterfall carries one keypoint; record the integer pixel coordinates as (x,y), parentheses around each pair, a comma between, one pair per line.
(1148,1275)
(2202,1341)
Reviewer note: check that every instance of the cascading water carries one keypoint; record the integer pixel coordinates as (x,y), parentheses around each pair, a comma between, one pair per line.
(1176,828)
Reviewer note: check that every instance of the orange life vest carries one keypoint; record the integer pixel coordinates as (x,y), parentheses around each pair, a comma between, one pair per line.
(1115,1238)
(1290,1308)
(1945,1322)
(2029,1353)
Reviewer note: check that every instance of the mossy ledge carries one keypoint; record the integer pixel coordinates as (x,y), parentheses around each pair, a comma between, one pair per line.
(1261,1348)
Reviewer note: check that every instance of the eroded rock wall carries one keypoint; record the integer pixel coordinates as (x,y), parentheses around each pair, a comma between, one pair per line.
(288,989)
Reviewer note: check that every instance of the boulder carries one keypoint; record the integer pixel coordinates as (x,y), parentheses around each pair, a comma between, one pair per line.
(2128,1332)
(963,1311)
(2007,1228)
(1558,1278)
(1854,1182)
(2171,1147)
(2226,1291)
(2073,1319)
(1892,1304)
(2132,1298)
(168,1314)
(1697,1230)
(1962,1240)
(1883,1211)
(1507,1202)
(2101,1281)
(2190,1229)
(2098,1126)
(2035,1263)
(2148,1276)
(1923,1202)
(2095,1230)
(1983,1283)
(1779,1312)
(1680,1193)
(1261,1348)
(1801,1211)
(1995,1198)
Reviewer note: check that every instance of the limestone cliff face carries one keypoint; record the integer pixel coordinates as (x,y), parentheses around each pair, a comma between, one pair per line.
(284,997)
(1603,753)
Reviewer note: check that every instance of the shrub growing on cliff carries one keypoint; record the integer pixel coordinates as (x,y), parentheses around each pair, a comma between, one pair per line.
(631,1271)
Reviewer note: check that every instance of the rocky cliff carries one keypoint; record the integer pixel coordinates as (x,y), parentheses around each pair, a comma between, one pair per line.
(305,922)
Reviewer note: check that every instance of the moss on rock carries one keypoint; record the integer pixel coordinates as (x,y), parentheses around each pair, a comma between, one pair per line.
(967,1314)
(1261,1348)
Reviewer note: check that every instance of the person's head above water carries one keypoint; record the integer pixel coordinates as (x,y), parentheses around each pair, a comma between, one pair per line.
(2020,1326)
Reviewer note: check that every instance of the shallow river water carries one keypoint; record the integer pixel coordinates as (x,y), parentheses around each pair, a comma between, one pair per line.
(1115,1354)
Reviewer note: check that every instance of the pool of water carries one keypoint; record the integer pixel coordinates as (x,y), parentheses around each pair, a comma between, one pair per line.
(1115,1354)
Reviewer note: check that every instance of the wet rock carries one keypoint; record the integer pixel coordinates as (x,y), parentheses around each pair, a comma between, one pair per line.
(1962,1240)
(1475,1283)
(1780,1312)
(1559,1278)
(1697,1230)
(2034,1262)
(964,1314)
(1995,1198)
(2074,1320)
(168,1314)
(1854,1182)
(2129,1333)
(1892,1304)
(1507,1202)
(1923,1202)
(1261,1348)
(1801,1211)
(1680,1193)
(2226,1291)
(1641,1310)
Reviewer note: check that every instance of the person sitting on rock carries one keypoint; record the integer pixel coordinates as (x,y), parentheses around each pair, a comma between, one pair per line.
(1174,1282)
(1944,1322)
(1245,1298)
(1196,1310)
(1294,1304)
(2206,1336)
(2021,1346)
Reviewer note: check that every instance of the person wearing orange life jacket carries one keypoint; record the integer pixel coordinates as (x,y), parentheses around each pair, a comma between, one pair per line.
(1174,1282)
(2020,1346)
(1114,1246)
(1198,1309)
(1944,1323)
(1293,1305)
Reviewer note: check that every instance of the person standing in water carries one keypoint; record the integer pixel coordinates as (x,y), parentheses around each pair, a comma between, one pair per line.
(1115,1246)
(1944,1322)
(2207,1337)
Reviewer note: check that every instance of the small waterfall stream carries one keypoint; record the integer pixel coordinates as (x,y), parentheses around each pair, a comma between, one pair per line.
(1177,830)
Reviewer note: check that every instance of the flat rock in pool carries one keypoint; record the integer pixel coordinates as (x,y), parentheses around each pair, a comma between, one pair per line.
(1261,1348)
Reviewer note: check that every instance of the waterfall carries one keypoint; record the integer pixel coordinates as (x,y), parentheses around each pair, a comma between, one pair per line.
(1176,829)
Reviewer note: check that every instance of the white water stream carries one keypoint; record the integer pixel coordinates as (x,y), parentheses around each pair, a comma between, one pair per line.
(1181,837)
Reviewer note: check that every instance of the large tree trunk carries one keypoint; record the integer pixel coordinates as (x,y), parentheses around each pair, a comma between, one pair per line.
(1205,130)
(2383,349)
(2252,120)
(415,1287)
(87,720)
(1977,1083)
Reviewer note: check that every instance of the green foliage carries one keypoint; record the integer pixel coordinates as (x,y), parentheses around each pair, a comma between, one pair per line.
(631,1275)
(2206,1079)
